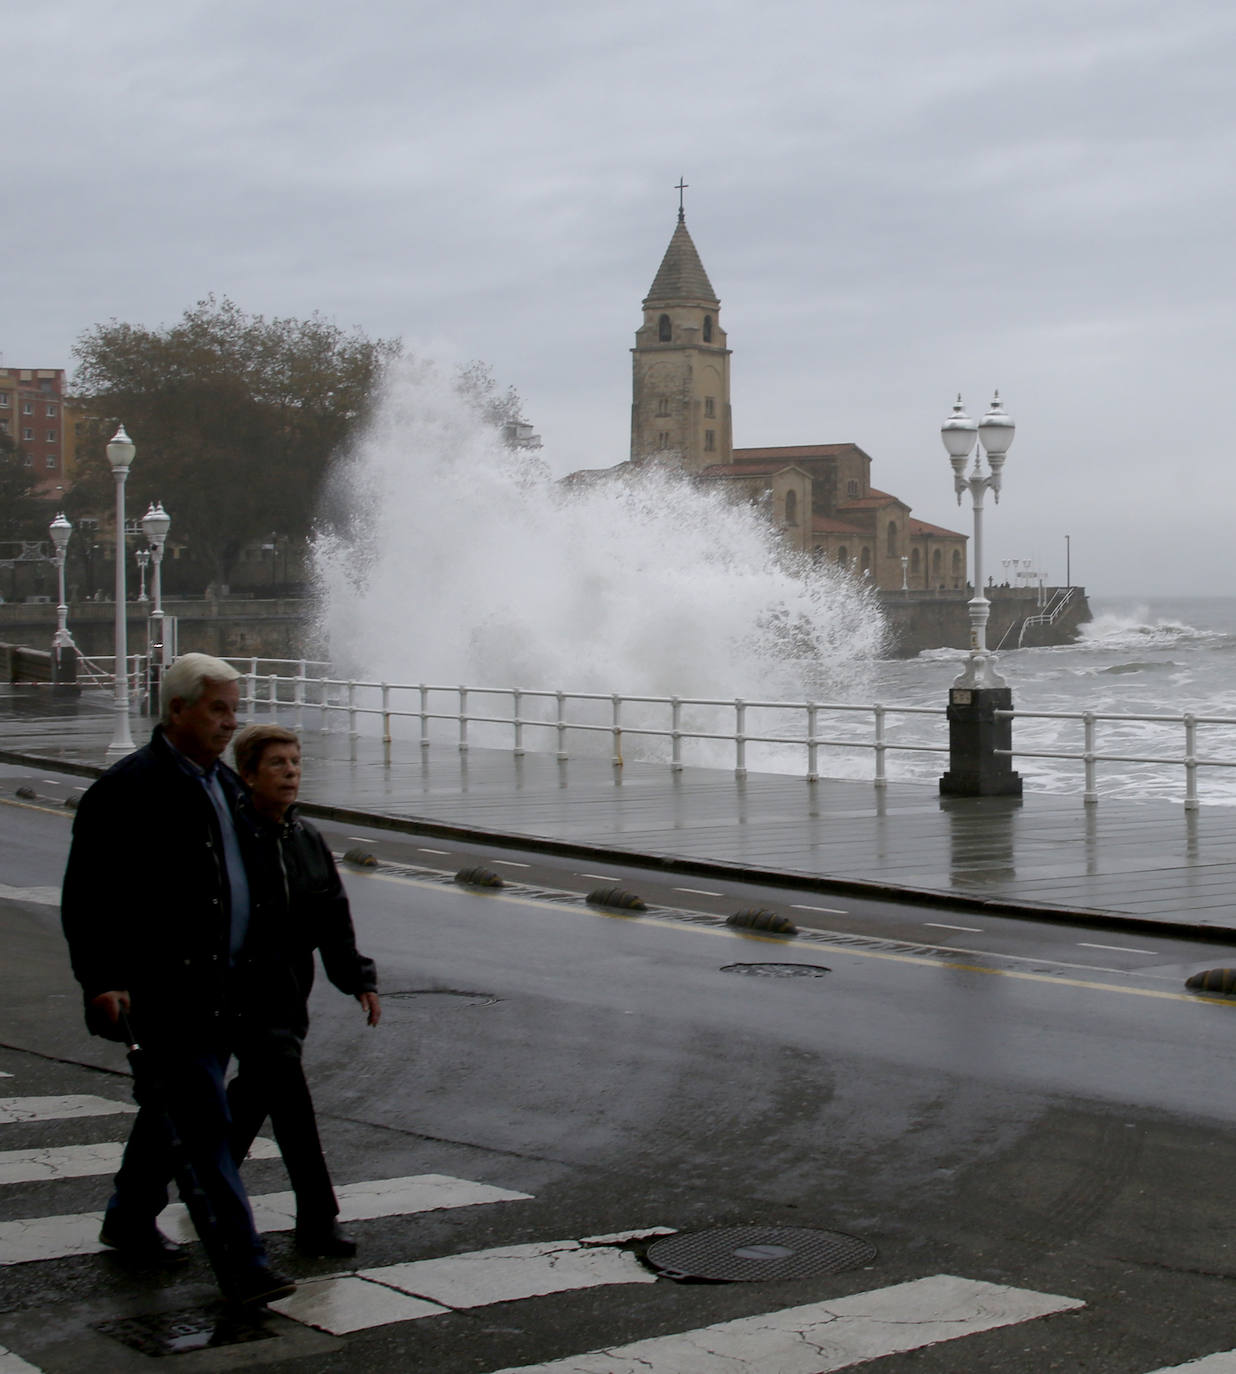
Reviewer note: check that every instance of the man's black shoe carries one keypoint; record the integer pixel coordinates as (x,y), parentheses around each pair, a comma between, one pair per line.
(325,1239)
(141,1244)
(256,1286)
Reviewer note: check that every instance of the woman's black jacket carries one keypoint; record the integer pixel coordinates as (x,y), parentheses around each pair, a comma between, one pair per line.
(298,905)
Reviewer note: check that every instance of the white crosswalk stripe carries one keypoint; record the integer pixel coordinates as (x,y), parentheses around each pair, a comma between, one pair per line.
(824,1336)
(1222,1362)
(84,1161)
(428,1288)
(11,1363)
(15,1110)
(56,1237)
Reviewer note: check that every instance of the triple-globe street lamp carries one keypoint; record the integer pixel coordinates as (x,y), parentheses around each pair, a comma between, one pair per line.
(120,453)
(995,436)
(980,702)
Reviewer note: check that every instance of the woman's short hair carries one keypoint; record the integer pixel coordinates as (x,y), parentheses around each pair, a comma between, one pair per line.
(187,679)
(251,744)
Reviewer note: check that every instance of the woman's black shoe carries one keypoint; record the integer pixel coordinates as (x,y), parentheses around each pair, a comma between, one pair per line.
(325,1240)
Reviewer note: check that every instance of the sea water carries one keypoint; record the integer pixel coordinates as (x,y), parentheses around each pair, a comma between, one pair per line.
(1136,658)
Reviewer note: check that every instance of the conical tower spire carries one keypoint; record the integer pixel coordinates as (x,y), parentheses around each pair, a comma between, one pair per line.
(681,276)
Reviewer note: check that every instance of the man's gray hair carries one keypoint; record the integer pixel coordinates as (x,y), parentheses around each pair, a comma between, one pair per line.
(187,679)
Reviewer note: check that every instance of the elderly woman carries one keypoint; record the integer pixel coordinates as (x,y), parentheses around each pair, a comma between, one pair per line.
(299,905)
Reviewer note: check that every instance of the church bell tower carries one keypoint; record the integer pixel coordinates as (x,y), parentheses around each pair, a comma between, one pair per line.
(680,399)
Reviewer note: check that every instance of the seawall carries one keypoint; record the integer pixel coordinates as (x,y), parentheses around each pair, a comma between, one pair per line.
(940,619)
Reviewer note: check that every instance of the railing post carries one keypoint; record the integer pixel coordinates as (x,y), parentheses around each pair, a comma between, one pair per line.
(1091,794)
(516,707)
(251,684)
(424,693)
(675,735)
(740,738)
(352,714)
(813,747)
(561,726)
(274,695)
(298,694)
(463,720)
(1190,762)
(386,724)
(880,779)
(616,730)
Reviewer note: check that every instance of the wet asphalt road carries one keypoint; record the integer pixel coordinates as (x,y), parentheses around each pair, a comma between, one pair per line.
(1034,1108)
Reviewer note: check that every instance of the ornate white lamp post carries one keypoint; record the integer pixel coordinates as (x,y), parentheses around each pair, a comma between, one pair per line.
(143,559)
(155,525)
(64,651)
(978,735)
(120,453)
(995,435)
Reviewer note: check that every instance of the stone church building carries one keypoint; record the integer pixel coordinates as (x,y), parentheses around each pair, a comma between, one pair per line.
(819,495)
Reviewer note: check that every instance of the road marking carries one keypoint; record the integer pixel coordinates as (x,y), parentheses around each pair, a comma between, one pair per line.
(825,1336)
(697,891)
(827,910)
(603,877)
(428,1288)
(14,1364)
(41,896)
(509,863)
(925,961)
(56,1237)
(1118,949)
(15,1109)
(1222,1362)
(84,1161)
(941,925)
(420,849)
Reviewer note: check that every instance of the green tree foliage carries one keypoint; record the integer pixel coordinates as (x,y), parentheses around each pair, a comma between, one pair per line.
(235,418)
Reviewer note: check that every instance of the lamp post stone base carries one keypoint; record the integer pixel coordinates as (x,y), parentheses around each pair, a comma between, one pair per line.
(64,671)
(975,732)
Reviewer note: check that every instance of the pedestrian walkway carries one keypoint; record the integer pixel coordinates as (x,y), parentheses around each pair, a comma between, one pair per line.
(1139,861)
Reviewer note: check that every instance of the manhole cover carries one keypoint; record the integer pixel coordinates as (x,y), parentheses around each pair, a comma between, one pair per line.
(174,1333)
(440,995)
(748,1254)
(778,970)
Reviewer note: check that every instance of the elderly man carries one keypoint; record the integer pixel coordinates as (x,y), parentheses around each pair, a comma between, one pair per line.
(155,908)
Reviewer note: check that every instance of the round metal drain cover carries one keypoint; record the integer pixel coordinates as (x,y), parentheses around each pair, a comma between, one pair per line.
(748,1254)
(440,996)
(778,970)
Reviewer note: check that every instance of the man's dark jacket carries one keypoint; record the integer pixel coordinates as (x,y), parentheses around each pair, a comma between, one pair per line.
(299,905)
(146,902)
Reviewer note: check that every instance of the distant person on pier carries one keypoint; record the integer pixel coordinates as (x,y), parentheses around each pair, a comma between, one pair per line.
(303,907)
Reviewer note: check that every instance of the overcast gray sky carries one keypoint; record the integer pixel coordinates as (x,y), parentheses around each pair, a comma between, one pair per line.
(895,200)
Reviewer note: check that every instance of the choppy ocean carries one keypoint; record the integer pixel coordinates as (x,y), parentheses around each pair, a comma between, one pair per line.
(1137,657)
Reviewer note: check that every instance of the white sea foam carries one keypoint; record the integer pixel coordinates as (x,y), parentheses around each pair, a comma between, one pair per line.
(465,563)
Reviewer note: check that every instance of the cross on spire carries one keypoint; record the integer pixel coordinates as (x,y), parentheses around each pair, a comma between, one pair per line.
(680,188)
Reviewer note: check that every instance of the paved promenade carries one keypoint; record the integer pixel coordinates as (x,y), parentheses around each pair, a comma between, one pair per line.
(1130,861)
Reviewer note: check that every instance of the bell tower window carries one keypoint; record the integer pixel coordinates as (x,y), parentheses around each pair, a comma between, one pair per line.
(708,329)
(664,332)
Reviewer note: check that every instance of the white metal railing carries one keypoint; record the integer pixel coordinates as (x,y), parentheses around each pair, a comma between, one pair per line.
(1049,615)
(521,719)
